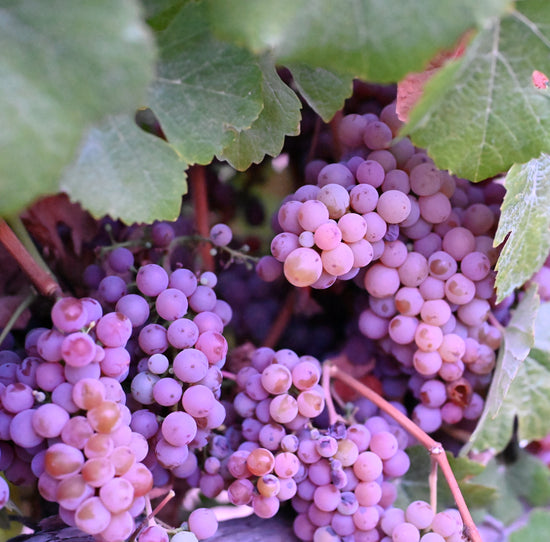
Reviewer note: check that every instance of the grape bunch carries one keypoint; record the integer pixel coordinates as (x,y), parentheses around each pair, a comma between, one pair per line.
(338,478)
(67,422)
(420,242)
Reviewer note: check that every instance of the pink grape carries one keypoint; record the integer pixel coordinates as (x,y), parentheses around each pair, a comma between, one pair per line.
(203,523)
(303,267)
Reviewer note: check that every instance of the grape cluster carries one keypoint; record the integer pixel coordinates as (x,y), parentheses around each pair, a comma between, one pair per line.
(66,420)
(419,241)
(337,478)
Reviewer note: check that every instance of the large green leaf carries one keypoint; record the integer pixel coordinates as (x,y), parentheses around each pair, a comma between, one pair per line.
(126,173)
(323,90)
(378,40)
(527,399)
(279,117)
(481,114)
(206,90)
(159,13)
(527,479)
(414,485)
(64,64)
(517,340)
(537,528)
(524,224)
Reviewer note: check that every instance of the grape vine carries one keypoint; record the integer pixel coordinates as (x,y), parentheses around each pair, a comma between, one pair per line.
(235,273)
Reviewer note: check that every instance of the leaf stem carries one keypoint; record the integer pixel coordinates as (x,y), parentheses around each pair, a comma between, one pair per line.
(199,195)
(16,314)
(22,248)
(434,448)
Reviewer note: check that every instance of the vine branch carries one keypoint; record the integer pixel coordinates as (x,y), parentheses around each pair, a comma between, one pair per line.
(437,453)
(199,195)
(283,318)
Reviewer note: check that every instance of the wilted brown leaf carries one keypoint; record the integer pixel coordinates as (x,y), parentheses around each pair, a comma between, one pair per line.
(47,214)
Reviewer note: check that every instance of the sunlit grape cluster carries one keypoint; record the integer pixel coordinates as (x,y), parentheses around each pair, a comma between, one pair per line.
(420,242)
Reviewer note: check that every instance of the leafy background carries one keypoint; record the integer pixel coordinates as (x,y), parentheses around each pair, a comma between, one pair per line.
(206,73)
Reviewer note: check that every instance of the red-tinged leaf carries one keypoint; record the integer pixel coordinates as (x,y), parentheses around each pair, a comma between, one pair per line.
(410,89)
(46,215)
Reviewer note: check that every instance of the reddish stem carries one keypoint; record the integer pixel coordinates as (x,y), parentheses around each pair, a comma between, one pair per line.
(283,318)
(432,480)
(197,180)
(495,323)
(43,281)
(333,416)
(435,448)
(314,140)
(334,123)
(229,376)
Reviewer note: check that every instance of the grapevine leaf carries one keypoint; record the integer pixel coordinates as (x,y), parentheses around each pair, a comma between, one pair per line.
(517,340)
(527,398)
(482,113)
(526,479)
(69,64)
(159,13)
(280,117)
(525,220)
(206,90)
(323,90)
(371,39)
(542,329)
(126,173)
(414,485)
(537,528)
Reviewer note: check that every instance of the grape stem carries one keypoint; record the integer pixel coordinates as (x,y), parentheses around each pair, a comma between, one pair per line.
(199,195)
(28,257)
(229,376)
(150,519)
(333,416)
(432,480)
(314,140)
(494,322)
(333,124)
(435,449)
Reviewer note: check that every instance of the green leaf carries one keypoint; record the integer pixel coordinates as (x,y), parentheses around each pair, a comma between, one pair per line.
(527,398)
(525,220)
(526,479)
(481,114)
(125,173)
(69,64)
(414,485)
(206,90)
(159,13)
(371,39)
(537,528)
(279,117)
(517,341)
(323,90)
(542,329)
